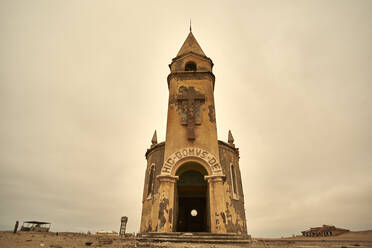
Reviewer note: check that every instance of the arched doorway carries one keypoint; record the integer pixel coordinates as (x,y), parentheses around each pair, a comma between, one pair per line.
(191,199)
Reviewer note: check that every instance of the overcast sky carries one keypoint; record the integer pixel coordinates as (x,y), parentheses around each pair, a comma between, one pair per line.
(83,87)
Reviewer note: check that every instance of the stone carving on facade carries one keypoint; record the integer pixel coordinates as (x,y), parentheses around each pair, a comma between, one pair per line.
(189,102)
(191,152)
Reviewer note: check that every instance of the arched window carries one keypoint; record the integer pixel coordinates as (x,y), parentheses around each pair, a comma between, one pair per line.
(190,66)
(234,182)
(150,186)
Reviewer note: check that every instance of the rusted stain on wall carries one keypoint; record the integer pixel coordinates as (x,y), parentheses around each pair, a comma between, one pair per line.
(223,217)
(172,100)
(211,114)
(162,210)
(170,215)
(149,227)
(230,225)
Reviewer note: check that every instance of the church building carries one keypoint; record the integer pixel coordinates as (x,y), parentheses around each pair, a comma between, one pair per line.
(193,181)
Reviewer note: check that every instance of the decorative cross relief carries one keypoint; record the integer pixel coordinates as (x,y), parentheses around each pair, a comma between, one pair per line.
(189,102)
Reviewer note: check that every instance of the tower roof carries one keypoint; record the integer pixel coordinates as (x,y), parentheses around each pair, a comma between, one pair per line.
(191,45)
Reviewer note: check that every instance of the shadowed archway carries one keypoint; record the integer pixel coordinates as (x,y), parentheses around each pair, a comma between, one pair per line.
(191,199)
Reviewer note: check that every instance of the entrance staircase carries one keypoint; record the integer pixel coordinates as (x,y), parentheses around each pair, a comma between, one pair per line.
(194,237)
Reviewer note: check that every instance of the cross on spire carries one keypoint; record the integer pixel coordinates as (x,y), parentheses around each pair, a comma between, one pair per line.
(190,96)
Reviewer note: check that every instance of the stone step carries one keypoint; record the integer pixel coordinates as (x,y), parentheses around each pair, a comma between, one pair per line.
(188,234)
(199,237)
(184,240)
(194,237)
(220,238)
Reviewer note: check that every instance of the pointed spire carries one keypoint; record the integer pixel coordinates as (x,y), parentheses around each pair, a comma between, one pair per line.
(154,140)
(191,45)
(230,139)
(190,26)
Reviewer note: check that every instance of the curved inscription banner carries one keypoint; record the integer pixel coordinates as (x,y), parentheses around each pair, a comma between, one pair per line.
(209,158)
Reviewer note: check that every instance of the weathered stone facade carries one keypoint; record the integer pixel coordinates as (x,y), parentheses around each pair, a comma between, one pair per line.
(193,181)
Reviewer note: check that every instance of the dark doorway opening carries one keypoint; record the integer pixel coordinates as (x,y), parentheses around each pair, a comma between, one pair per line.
(191,199)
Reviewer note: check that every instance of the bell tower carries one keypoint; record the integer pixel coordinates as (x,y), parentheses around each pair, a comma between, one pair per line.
(192,181)
(191,114)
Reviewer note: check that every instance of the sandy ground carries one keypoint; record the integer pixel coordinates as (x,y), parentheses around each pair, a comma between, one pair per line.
(76,240)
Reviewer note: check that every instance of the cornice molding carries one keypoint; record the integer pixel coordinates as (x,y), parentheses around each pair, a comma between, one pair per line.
(157,147)
(190,75)
(227,146)
(191,53)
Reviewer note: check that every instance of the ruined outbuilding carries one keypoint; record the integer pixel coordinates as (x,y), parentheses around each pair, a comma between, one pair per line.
(192,181)
(35,226)
(324,231)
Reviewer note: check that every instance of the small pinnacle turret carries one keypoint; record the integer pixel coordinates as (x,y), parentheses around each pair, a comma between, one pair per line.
(154,139)
(230,139)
